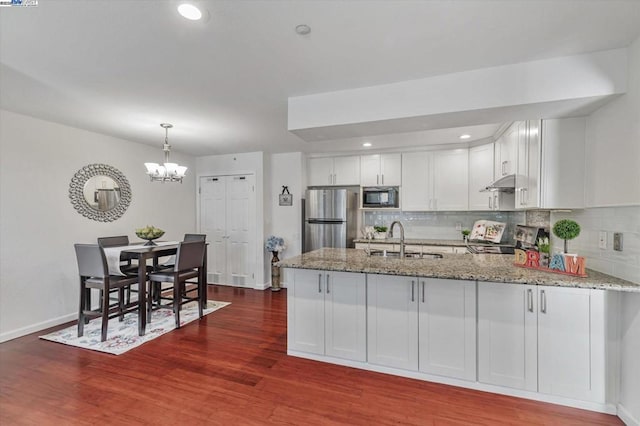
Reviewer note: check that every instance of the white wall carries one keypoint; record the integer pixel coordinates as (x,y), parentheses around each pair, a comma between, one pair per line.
(613,179)
(38,225)
(286,222)
(613,145)
(252,162)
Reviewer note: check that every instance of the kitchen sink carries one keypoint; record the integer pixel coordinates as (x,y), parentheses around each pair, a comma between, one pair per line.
(395,254)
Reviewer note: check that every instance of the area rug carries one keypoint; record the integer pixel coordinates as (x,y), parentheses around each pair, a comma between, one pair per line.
(123,335)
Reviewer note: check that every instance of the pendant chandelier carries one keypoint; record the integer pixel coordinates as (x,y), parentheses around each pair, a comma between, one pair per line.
(168,172)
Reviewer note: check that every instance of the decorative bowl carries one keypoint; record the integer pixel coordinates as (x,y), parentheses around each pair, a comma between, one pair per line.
(149,233)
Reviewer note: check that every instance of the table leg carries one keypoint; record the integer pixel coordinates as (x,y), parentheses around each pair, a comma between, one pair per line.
(203,281)
(142,294)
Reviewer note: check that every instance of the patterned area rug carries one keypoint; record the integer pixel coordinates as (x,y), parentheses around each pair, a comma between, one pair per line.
(122,336)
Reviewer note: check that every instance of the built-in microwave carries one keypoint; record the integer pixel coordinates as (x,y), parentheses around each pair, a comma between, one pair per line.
(380,197)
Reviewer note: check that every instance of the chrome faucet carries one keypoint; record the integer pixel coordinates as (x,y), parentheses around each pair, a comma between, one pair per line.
(401,236)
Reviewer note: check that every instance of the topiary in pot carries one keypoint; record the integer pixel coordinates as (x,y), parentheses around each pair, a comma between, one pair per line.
(566,229)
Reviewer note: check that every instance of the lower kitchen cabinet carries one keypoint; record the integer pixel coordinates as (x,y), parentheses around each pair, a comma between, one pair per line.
(392,319)
(447,328)
(425,325)
(546,339)
(327,314)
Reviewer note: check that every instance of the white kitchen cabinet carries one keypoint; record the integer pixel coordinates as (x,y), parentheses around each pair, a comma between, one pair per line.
(546,339)
(435,180)
(550,168)
(562,176)
(381,170)
(506,152)
(422,324)
(392,321)
(323,171)
(507,342)
(327,314)
(528,165)
(447,328)
(481,166)
(571,343)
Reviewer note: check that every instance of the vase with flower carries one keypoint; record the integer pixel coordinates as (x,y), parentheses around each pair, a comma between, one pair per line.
(275,245)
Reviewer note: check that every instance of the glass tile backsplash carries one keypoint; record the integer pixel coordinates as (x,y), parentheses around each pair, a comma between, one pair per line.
(442,225)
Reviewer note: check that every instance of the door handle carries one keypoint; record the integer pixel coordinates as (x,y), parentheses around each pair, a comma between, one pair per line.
(328,291)
(422,291)
(530,300)
(504,163)
(382,178)
(525,196)
(496,204)
(543,302)
(377,179)
(490,204)
(319,283)
(413,288)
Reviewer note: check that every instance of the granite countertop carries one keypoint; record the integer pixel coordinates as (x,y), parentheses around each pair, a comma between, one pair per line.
(428,242)
(481,267)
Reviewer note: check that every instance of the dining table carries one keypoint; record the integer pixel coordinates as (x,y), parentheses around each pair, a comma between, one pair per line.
(154,252)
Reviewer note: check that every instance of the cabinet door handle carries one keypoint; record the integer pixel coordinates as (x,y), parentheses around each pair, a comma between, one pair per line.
(543,302)
(496,204)
(530,300)
(330,179)
(413,288)
(377,179)
(319,283)
(382,178)
(490,204)
(328,291)
(525,196)
(422,291)
(335,178)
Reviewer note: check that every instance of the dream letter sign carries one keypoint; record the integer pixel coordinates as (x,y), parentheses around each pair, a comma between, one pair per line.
(560,263)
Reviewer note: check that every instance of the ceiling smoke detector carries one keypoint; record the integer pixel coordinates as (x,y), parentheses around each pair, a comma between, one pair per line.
(303,29)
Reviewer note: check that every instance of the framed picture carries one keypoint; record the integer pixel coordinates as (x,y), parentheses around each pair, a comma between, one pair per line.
(285,199)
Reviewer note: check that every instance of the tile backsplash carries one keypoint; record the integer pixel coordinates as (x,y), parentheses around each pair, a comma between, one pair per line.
(624,264)
(442,225)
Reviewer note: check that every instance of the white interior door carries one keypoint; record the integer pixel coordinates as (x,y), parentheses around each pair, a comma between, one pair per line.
(240,230)
(226,203)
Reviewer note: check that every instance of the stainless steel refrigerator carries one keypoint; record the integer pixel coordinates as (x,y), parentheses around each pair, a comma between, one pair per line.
(330,218)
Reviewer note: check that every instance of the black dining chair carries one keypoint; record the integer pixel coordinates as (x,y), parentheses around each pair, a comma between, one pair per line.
(94,274)
(189,264)
(170,263)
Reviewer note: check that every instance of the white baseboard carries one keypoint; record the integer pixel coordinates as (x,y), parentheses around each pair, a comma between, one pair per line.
(14,334)
(627,417)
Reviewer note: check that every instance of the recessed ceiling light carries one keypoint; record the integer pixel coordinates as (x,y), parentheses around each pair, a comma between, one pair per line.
(465,136)
(367,144)
(303,29)
(189,11)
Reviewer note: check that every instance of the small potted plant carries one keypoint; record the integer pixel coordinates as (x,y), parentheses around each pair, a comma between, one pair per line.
(465,234)
(544,248)
(380,232)
(566,229)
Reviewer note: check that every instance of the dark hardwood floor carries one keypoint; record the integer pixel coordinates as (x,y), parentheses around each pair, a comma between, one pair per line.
(231,368)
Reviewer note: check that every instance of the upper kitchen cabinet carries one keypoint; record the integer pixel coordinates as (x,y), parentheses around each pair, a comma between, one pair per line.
(551,164)
(506,151)
(334,171)
(380,169)
(480,175)
(435,180)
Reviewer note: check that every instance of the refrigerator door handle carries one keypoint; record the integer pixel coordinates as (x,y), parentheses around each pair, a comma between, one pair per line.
(321,221)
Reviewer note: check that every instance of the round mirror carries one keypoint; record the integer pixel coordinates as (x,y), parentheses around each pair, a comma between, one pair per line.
(100,192)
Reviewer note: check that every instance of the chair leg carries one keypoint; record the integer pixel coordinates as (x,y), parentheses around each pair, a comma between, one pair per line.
(150,299)
(200,298)
(105,311)
(83,300)
(121,292)
(176,301)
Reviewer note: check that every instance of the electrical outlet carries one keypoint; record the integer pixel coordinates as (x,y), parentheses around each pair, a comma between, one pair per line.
(602,241)
(458,226)
(617,241)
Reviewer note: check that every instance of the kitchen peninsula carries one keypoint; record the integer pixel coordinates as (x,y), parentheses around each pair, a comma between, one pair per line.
(469,320)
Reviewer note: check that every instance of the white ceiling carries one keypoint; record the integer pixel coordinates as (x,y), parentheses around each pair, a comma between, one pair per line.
(121,67)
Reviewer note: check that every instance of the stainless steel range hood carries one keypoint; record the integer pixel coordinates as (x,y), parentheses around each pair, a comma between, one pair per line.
(504,184)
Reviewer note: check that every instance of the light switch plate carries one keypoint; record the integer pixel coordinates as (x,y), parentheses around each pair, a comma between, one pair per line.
(602,240)
(617,241)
